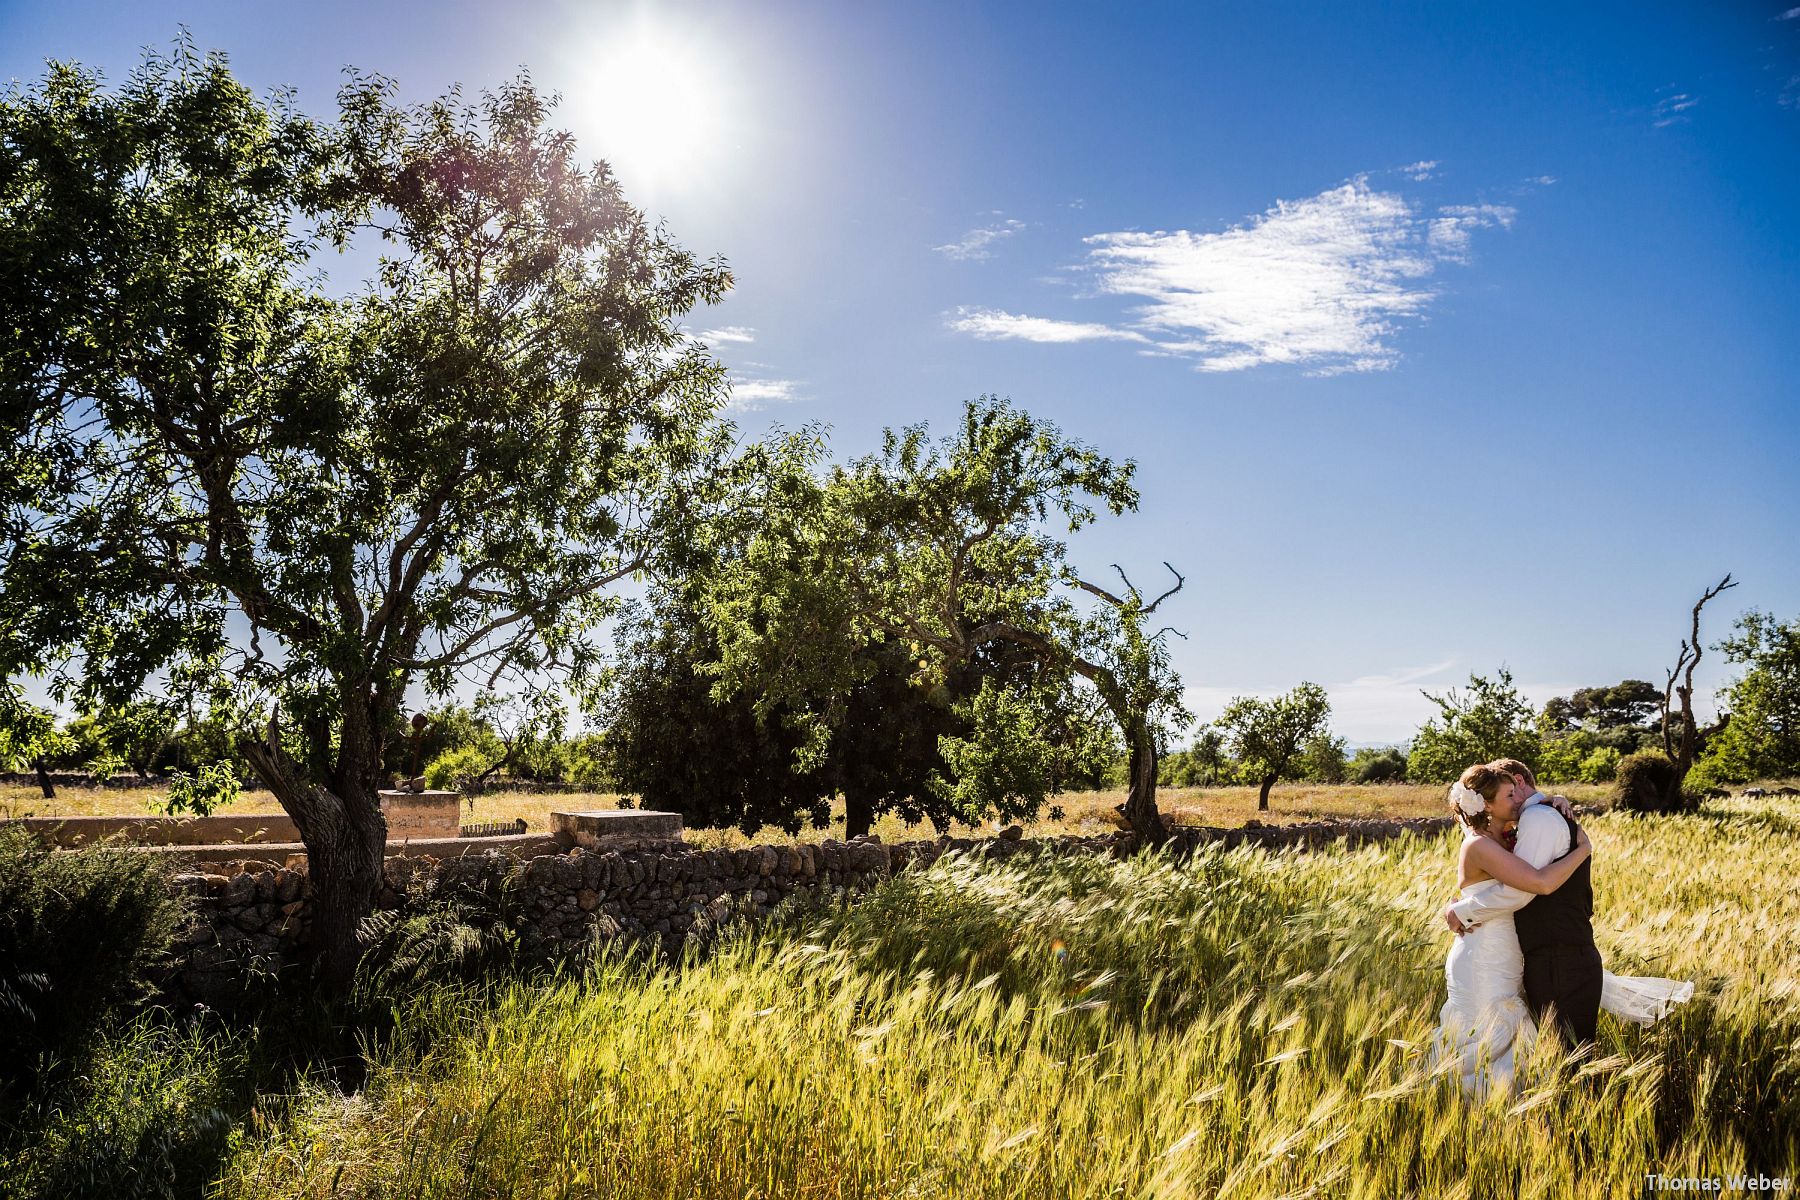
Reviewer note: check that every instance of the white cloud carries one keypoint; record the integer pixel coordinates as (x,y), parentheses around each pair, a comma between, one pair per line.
(1318,282)
(1789,15)
(1421,170)
(741,334)
(1450,229)
(1542,180)
(1322,283)
(1670,108)
(974,244)
(991,324)
(753,395)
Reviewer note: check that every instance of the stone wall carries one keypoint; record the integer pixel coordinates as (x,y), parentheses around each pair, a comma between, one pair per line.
(663,892)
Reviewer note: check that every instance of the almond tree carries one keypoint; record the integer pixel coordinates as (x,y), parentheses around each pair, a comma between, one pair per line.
(312,501)
(948,551)
(1268,736)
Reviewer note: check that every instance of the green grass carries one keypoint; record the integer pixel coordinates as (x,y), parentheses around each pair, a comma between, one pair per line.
(1245,1024)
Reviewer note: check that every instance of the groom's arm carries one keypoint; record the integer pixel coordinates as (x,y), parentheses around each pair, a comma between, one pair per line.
(1543,837)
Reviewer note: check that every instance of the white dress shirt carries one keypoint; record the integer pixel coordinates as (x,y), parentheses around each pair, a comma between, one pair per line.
(1543,837)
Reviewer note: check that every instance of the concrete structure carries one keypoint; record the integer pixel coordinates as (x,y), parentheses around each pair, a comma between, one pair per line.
(615,827)
(410,816)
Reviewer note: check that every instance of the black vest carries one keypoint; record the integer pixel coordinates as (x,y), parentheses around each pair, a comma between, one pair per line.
(1563,917)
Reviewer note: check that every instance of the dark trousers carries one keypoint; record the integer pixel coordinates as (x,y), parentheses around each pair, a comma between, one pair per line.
(1568,978)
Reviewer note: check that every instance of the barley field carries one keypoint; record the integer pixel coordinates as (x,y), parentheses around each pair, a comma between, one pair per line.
(1244,1024)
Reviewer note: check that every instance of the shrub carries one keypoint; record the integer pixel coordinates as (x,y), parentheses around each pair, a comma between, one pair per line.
(79,933)
(1385,764)
(1646,783)
(1602,766)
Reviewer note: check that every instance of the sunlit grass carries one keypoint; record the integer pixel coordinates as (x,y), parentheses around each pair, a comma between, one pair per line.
(1082,812)
(1244,1024)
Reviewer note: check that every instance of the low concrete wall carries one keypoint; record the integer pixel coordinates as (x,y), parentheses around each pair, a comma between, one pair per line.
(410,815)
(661,892)
(71,832)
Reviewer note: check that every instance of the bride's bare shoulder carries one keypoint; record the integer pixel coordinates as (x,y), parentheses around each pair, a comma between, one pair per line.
(1469,861)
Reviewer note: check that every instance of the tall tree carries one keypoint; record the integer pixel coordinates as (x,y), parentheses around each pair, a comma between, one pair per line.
(439,475)
(944,549)
(1268,736)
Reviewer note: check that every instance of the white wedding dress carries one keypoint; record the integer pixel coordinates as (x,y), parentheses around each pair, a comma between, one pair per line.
(1485,1023)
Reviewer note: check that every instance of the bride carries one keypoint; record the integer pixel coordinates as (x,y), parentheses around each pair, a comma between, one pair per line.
(1485,1023)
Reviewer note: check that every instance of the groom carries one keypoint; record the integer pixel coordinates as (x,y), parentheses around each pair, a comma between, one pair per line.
(1556,932)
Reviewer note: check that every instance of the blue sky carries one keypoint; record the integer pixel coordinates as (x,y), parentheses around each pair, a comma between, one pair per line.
(1444,336)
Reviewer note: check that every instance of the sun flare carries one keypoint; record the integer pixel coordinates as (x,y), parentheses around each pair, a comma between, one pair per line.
(656,104)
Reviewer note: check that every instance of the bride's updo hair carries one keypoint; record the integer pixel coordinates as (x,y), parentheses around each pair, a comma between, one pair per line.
(1486,780)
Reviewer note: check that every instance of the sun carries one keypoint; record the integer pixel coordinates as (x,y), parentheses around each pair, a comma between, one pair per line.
(655,104)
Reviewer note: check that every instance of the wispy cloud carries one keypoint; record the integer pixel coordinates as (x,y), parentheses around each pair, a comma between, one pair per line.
(740,334)
(1322,283)
(1542,180)
(1450,229)
(754,395)
(975,243)
(1670,109)
(1789,15)
(992,324)
(1421,170)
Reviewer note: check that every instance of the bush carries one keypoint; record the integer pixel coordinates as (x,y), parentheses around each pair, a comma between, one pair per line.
(1385,764)
(1646,783)
(79,933)
(1602,766)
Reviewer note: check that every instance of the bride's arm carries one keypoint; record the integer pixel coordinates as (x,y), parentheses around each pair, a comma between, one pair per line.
(1515,872)
(1542,836)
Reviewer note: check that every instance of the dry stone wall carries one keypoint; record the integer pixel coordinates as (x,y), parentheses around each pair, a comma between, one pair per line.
(254,923)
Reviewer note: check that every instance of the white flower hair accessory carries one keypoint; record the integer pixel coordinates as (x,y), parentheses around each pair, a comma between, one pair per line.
(1467,799)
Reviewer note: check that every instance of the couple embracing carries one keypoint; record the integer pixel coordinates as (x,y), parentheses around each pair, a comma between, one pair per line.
(1525,949)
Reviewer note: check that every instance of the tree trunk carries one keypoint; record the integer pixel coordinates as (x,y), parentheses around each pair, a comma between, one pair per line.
(859,814)
(1262,798)
(345,836)
(1140,804)
(44,779)
(344,868)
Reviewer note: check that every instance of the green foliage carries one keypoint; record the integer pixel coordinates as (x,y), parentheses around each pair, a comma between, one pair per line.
(438,474)
(1627,704)
(1602,766)
(214,785)
(1323,760)
(1490,720)
(29,735)
(1377,764)
(458,770)
(138,735)
(79,934)
(458,935)
(944,550)
(1268,736)
(149,1116)
(1014,754)
(1205,763)
(1645,783)
(1761,737)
